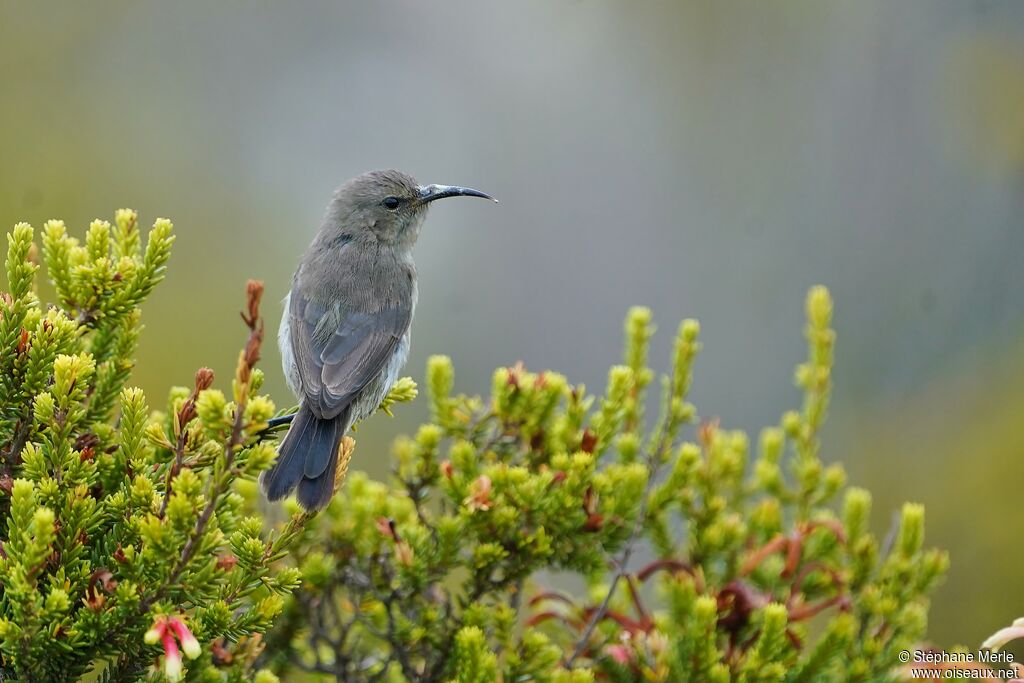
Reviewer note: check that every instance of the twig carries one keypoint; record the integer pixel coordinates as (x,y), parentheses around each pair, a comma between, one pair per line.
(21,433)
(602,609)
(217,486)
(654,463)
(204,379)
(392,637)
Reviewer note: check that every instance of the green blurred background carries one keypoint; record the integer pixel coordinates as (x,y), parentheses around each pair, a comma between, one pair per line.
(708,159)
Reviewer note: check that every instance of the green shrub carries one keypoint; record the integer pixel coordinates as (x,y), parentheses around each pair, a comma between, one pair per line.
(699,565)
(131,536)
(115,527)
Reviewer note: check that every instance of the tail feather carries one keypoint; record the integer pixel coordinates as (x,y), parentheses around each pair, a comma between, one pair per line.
(307,459)
(315,492)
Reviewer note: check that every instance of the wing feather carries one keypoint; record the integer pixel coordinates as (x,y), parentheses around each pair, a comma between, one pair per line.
(338,352)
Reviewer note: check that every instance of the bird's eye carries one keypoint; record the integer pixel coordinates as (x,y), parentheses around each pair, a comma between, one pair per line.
(390,203)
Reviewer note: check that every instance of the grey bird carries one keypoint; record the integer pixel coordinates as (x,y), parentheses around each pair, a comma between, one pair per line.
(344,335)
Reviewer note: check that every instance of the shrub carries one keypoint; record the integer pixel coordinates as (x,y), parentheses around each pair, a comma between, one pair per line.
(132,536)
(699,566)
(112,529)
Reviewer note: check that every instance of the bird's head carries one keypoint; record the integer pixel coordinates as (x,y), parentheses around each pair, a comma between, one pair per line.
(388,206)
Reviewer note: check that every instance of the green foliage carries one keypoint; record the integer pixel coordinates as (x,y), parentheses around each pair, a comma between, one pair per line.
(700,564)
(132,538)
(115,527)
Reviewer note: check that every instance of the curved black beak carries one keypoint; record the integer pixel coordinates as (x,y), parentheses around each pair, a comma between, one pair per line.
(429,193)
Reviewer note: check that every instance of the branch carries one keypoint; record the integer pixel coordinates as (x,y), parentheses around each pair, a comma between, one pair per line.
(218,485)
(654,462)
(204,380)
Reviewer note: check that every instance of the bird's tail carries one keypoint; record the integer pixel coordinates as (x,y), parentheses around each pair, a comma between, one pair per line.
(307,459)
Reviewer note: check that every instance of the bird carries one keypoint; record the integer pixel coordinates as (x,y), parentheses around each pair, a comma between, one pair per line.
(345,331)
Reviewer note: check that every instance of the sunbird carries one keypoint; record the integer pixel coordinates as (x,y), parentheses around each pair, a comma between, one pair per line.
(344,335)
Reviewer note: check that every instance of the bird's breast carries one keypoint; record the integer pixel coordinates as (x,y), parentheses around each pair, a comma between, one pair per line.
(284,343)
(378,388)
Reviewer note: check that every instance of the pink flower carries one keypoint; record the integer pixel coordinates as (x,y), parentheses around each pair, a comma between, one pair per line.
(154,634)
(1004,635)
(188,641)
(620,653)
(172,658)
(163,631)
(479,497)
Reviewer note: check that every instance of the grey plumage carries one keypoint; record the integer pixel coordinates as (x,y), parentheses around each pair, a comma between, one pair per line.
(344,335)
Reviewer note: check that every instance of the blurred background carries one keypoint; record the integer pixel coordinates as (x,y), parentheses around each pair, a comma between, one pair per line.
(709,160)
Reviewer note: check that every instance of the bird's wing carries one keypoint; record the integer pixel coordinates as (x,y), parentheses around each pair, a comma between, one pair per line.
(338,352)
